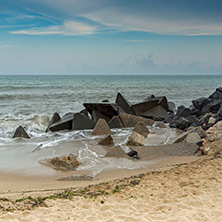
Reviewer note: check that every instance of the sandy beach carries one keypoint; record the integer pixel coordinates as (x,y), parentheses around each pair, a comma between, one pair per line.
(187,192)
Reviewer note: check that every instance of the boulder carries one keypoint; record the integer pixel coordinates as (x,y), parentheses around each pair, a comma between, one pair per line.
(193,120)
(212,107)
(68,162)
(140,108)
(217,94)
(96,115)
(116,152)
(108,140)
(131,120)
(194,138)
(183,135)
(183,111)
(20,132)
(65,123)
(205,118)
(85,112)
(81,122)
(162,101)
(136,139)
(107,109)
(141,129)
(101,128)
(212,120)
(115,122)
(172,107)
(55,118)
(182,123)
(124,104)
(157,112)
(219,113)
(200,102)
(133,153)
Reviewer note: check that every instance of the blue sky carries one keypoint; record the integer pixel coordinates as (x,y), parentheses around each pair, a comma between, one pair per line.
(110,37)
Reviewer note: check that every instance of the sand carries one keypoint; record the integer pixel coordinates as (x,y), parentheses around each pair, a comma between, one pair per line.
(190,192)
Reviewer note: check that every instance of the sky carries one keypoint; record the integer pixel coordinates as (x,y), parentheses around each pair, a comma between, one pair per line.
(110,37)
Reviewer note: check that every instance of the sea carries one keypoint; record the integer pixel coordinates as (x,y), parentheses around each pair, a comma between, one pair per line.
(30,101)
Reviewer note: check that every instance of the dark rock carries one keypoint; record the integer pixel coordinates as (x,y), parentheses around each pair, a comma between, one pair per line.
(96,115)
(133,154)
(101,128)
(218,119)
(205,118)
(201,102)
(173,123)
(193,120)
(65,123)
(172,107)
(85,112)
(124,104)
(162,101)
(157,113)
(219,113)
(81,122)
(182,123)
(183,111)
(212,107)
(131,120)
(207,126)
(56,117)
(105,101)
(141,129)
(20,132)
(217,94)
(107,109)
(115,122)
(68,162)
(106,141)
(140,108)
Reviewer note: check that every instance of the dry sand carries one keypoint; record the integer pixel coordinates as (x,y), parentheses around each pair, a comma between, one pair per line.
(189,192)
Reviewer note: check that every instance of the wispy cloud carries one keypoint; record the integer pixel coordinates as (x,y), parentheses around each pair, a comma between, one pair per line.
(5,46)
(69,28)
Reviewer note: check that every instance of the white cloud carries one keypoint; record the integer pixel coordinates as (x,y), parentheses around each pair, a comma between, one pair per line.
(68,28)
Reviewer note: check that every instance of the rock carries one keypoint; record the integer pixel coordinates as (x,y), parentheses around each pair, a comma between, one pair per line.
(201,102)
(212,107)
(133,153)
(141,129)
(96,115)
(85,112)
(217,94)
(183,111)
(193,138)
(205,118)
(116,152)
(213,140)
(136,139)
(157,112)
(161,125)
(182,123)
(206,126)
(55,118)
(182,136)
(193,120)
(105,101)
(107,109)
(124,104)
(115,122)
(101,128)
(212,120)
(68,162)
(172,107)
(20,132)
(65,123)
(131,120)
(106,141)
(219,113)
(140,108)
(81,122)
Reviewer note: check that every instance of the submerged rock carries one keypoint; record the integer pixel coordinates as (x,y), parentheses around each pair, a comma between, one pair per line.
(107,141)
(20,132)
(68,162)
(102,128)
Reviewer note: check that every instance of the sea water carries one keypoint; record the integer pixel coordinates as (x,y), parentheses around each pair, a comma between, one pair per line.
(30,101)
